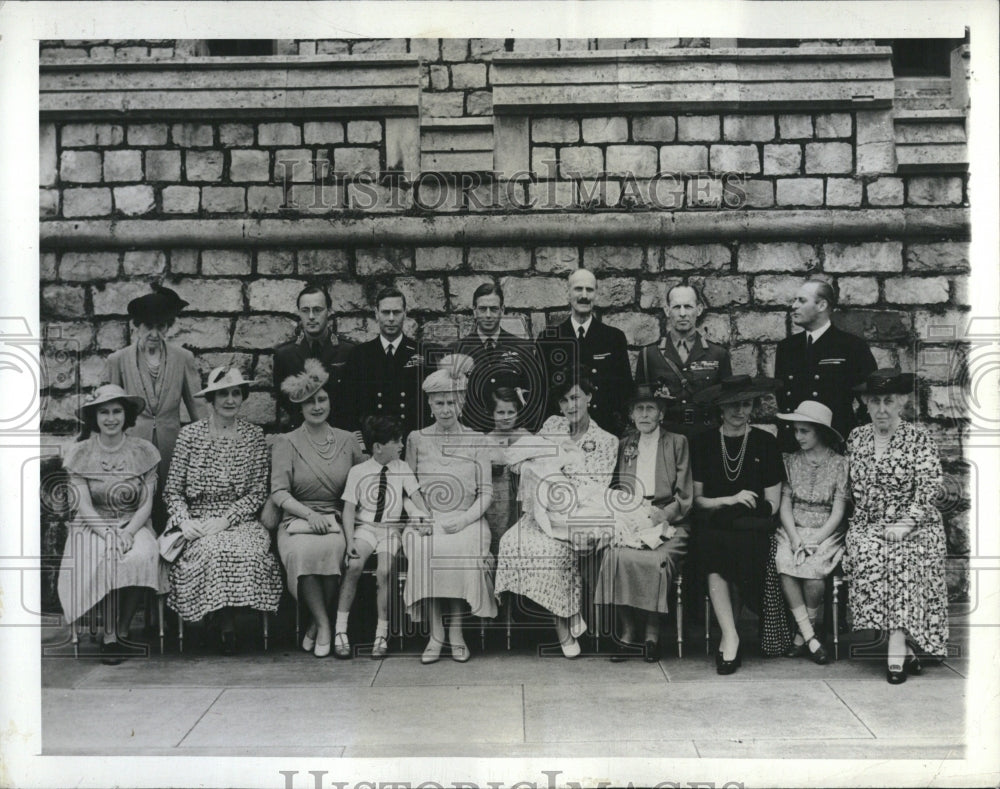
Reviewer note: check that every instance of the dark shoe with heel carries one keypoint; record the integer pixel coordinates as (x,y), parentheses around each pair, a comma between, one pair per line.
(913,666)
(651,651)
(818,656)
(725,667)
(895,676)
(797,650)
(110,653)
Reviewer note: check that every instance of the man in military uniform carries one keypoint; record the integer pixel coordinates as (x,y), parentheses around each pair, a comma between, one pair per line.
(500,359)
(383,376)
(683,363)
(317,342)
(820,363)
(583,346)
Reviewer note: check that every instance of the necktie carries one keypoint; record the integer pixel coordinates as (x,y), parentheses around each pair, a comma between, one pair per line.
(682,350)
(809,345)
(383,486)
(581,333)
(490,345)
(388,352)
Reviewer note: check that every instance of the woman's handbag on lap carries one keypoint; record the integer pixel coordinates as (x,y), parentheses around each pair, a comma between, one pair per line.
(171,544)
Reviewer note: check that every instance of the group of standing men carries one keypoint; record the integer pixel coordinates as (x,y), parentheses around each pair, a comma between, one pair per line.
(383,376)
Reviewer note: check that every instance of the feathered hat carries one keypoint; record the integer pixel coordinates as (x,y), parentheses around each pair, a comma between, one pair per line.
(301,386)
(452,374)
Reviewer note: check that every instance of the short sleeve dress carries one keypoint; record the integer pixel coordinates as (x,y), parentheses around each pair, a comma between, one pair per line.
(314,477)
(813,488)
(453,471)
(503,511)
(90,565)
(213,476)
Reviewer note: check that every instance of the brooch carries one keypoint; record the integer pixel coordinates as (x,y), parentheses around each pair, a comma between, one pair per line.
(630,452)
(588,445)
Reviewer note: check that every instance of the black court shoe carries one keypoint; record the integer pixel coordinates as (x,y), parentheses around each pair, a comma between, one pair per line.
(913,666)
(724,667)
(819,656)
(651,651)
(895,676)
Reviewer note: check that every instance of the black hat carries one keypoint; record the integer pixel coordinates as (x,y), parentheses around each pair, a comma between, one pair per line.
(160,306)
(735,388)
(659,394)
(888,380)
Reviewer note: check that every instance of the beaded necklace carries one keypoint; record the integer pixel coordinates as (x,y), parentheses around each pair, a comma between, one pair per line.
(734,465)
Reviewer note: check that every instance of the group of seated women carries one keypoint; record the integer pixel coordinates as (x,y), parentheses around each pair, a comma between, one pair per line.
(479,515)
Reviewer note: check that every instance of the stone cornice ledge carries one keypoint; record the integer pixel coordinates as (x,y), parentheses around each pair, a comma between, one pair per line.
(505,229)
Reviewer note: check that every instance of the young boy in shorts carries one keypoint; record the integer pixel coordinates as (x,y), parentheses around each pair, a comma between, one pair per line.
(373,504)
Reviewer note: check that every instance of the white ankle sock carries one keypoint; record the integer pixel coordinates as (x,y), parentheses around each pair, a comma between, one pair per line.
(382,628)
(341,626)
(802,620)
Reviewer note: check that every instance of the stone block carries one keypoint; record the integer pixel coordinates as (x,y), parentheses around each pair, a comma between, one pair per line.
(379,46)
(795,127)
(683,158)
(59,366)
(47,160)
(776,290)
(144,263)
(201,332)
(347,297)
(640,161)
(938,326)
(86,202)
(134,200)
(212,295)
(639,328)
(275,261)
(317,197)
(323,132)
(843,192)
(782,256)
(259,408)
(875,157)
(468,75)
(722,291)
(209,361)
(536,44)
(48,203)
(422,295)
(868,256)
(438,258)
(800,192)
(482,47)
(460,290)
(552,195)
(495,259)
(333,47)
(273,295)
(543,161)
(885,191)
(745,359)
(249,165)
(782,159)
(147,134)
(112,298)
(439,77)
(583,161)
(749,193)
(833,124)
(735,158)
(652,128)
(606,129)
(80,167)
(938,256)
(63,301)
(653,293)
(223,199)
(533,293)
(183,261)
(616,292)
(192,135)
(384,260)
(181,199)
(75,335)
(916,290)
(88,266)
(279,134)
(203,165)
(321,261)
(448,104)
(879,325)
(704,192)
(354,161)
(857,291)
(829,157)
(47,266)
(693,257)
(163,165)
(479,103)
(760,326)
(748,128)
(232,135)
(557,260)
(262,331)
(225,262)
(698,128)
(613,258)
(265,199)
(427,48)
(85,135)
(122,166)
(934,190)
(364,131)
(565,130)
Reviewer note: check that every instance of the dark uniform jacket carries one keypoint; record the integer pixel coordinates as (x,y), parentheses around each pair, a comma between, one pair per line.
(838,361)
(513,363)
(290,359)
(707,364)
(375,384)
(602,357)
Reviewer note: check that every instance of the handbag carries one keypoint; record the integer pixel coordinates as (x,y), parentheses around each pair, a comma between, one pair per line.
(171,544)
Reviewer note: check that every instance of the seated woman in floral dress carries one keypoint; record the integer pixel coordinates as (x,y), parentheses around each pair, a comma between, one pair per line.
(503,510)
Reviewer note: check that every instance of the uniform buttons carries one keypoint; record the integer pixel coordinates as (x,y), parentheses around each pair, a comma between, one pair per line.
(593,370)
(790,376)
(379,405)
(379,394)
(815,394)
(816,377)
(788,392)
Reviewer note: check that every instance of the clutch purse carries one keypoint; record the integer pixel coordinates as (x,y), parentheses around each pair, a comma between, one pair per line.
(171,544)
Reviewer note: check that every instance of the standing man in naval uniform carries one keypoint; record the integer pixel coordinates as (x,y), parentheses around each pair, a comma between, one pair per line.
(820,363)
(317,342)
(582,346)
(684,363)
(500,359)
(383,376)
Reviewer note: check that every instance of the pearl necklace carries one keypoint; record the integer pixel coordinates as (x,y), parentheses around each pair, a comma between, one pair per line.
(323,448)
(734,465)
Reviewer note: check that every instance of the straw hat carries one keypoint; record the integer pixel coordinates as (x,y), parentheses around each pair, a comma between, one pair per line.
(887,380)
(302,386)
(107,393)
(815,413)
(223,378)
(735,388)
(160,306)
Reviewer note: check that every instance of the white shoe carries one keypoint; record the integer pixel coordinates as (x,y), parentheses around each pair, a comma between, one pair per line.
(308,641)
(570,648)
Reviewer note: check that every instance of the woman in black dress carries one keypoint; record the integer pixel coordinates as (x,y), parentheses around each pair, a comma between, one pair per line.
(737,472)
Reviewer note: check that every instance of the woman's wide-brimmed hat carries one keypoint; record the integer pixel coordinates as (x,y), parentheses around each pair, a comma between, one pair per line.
(107,393)
(815,413)
(887,380)
(452,375)
(160,306)
(223,378)
(302,386)
(735,388)
(650,393)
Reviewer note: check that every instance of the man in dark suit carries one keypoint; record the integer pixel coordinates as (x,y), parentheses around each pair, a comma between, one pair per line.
(582,346)
(500,359)
(317,342)
(683,363)
(822,362)
(383,376)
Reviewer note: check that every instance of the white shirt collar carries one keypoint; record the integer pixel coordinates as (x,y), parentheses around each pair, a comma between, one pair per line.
(817,333)
(585,325)
(484,337)
(395,343)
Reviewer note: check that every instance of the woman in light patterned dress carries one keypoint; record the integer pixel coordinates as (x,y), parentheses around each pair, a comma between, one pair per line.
(895,541)
(215,489)
(532,563)
(503,510)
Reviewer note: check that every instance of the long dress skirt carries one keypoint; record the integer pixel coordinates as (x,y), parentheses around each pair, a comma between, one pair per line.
(641,578)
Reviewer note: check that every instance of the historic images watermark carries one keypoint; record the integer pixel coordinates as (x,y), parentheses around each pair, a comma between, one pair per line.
(318,779)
